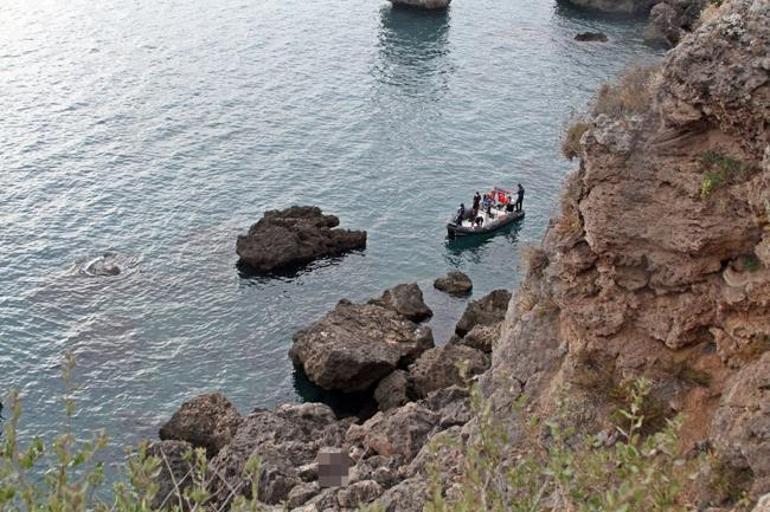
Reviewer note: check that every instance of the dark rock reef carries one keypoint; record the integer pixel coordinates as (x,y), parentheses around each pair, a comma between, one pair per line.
(591,37)
(285,239)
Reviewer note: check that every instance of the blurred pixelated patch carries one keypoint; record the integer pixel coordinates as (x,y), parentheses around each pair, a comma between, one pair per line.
(333,465)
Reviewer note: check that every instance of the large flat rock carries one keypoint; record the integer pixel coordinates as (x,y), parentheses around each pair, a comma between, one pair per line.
(356,345)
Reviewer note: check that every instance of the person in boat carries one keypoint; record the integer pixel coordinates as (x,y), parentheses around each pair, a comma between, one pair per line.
(460,214)
(486,202)
(509,204)
(476,201)
(479,221)
(519,198)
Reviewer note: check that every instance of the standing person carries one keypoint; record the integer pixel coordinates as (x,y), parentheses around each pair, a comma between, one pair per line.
(460,214)
(519,198)
(476,201)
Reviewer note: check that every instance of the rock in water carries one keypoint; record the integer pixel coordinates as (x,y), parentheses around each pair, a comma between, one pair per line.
(488,310)
(422,4)
(454,283)
(591,37)
(407,301)
(293,237)
(207,421)
(356,345)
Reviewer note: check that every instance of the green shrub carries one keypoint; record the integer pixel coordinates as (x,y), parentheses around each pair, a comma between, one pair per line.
(719,169)
(66,475)
(637,473)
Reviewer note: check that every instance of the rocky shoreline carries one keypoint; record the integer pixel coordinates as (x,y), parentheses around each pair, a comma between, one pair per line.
(421,391)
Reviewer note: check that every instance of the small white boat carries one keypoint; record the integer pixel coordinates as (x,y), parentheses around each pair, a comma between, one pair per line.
(498,214)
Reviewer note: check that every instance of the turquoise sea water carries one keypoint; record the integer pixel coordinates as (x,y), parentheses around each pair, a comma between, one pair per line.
(161,130)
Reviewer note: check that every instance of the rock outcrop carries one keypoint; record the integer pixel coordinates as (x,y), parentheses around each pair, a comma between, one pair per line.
(354,346)
(207,421)
(488,310)
(406,300)
(654,266)
(455,283)
(285,239)
(445,366)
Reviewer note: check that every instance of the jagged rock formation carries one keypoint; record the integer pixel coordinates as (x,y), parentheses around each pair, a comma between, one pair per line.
(488,310)
(406,300)
(657,265)
(356,345)
(295,236)
(207,421)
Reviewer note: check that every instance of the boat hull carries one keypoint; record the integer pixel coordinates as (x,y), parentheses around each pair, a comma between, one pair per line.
(455,231)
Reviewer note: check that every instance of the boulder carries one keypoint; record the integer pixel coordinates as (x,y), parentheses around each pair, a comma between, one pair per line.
(207,421)
(359,493)
(175,473)
(454,283)
(381,469)
(664,25)
(301,493)
(408,496)
(445,366)
(393,390)
(481,337)
(398,432)
(452,404)
(407,301)
(285,440)
(488,310)
(356,345)
(422,4)
(295,236)
(592,37)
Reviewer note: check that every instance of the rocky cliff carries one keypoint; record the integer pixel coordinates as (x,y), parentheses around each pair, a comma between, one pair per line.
(659,263)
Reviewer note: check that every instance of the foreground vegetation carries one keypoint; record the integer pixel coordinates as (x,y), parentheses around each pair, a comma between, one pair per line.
(635,472)
(634,468)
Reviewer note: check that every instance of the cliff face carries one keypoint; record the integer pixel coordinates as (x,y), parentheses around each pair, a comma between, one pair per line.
(659,263)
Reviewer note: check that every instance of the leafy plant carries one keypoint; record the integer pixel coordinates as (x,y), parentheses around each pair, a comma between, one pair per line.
(636,473)
(65,475)
(719,168)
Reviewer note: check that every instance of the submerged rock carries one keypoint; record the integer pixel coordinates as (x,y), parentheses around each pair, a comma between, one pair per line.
(208,421)
(422,4)
(295,236)
(454,283)
(356,345)
(591,37)
(488,310)
(614,6)
(407,301)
